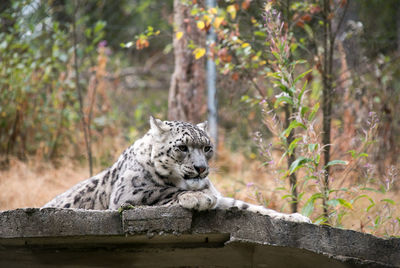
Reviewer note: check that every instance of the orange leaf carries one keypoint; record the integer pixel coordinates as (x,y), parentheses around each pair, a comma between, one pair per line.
(224,56)
(235,76)
(300,23)
(306,17)
(246,4)
(315,9)
(141,43)
(218,21)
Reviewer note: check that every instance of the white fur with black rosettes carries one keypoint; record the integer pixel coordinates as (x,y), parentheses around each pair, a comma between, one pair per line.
(168,165)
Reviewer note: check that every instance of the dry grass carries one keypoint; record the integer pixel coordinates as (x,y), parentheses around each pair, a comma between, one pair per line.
(236,176)
(34,182)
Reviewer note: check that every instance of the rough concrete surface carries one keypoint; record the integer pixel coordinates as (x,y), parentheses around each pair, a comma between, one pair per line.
(175,237)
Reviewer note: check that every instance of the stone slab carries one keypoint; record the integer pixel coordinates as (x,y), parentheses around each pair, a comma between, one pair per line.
(52,222)
(173,236)
(156,219)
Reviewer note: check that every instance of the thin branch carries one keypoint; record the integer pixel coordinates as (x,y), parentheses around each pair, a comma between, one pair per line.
(78,88)
(341,20)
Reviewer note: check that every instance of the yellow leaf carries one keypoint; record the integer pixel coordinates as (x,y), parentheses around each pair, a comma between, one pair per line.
(201,25)
(179,35)
(268,6)
(199,52)
(232,11)
(263,62)
(207,19)
(254,58)
(245,45)
(213,11)
(237,40)
(218,21)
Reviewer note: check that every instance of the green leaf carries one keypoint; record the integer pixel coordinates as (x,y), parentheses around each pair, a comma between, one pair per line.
(302,92)
(287,196)
(301,76)
(309,205)
(369,207)
(362,196)
(377,220)
(352,152)
(99,26)
(370,189)
(309,31)
(280,189)
(298,163)
(293,145)
(355,155)
(283,99)
(304,110)
(259,33)
(88,32)
(388,201)
(313,112)
(292,125)
(312,147)
(276,55)
(274,75)
(321,220)
(332,202)
(244,98)
(345,203)
(336,162)
(308,208)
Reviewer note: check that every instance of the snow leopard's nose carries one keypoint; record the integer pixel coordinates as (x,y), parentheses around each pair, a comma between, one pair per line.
(200,169)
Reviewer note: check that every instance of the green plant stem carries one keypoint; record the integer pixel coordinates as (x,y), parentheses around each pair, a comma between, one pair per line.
(290,160)
(327,97)
(290,138)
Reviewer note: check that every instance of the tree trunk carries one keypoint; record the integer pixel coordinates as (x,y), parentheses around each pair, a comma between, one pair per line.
(187,89)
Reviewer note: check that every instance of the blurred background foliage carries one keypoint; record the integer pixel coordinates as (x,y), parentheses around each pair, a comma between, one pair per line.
(123,85)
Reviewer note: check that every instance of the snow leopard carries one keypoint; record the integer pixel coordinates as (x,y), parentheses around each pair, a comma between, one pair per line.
(169,165)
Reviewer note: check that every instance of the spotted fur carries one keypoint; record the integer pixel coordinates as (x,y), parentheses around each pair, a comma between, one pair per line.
(168,165)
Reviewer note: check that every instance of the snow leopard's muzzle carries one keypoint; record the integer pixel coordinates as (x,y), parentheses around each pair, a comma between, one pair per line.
(195,172)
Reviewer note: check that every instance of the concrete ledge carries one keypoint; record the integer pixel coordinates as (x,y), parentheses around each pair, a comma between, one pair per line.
(49,222)
(172,236)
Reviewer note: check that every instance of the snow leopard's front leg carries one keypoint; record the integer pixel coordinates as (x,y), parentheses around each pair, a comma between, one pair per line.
(226,203)
(197,200)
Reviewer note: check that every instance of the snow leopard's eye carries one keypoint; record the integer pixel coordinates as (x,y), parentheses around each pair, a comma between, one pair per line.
(207,149)
(183,148)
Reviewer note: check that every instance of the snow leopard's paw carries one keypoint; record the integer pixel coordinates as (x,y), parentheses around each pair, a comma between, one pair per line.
(196,200)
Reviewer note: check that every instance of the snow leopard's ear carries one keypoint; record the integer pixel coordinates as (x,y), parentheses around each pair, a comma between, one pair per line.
(203,126)
(157,126)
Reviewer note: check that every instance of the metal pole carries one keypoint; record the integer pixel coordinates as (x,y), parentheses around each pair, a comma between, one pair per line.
(211,84)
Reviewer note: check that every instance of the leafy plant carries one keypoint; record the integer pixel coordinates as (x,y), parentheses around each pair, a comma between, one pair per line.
(291,110)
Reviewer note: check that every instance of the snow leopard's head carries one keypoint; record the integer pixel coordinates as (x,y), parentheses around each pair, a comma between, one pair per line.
(180,152)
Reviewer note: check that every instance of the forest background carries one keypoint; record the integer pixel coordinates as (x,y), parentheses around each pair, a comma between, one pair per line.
(307,98)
